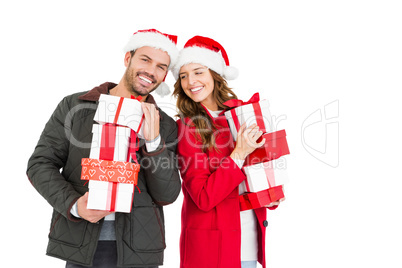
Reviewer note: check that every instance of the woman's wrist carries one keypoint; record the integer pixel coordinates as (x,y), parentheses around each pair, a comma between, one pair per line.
(238,154)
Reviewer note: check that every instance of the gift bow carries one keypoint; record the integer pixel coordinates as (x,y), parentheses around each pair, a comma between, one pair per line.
(139,98)
(236,103)
(254,100)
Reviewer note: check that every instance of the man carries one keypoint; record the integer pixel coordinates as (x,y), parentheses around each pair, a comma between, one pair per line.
(85,237)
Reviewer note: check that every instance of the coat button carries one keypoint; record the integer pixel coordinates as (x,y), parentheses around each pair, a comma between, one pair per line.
(265,223)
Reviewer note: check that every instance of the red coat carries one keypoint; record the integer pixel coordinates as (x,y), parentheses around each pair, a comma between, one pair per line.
(210,229)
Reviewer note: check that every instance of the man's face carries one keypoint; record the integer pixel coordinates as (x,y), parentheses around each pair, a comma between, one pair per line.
(146,69)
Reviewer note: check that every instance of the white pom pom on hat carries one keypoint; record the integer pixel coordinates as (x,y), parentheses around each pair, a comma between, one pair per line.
(207,52)
(163,89)
(154,38)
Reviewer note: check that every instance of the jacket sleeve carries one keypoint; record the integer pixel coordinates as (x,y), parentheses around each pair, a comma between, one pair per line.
(48,158)
(206,188)
(160,166)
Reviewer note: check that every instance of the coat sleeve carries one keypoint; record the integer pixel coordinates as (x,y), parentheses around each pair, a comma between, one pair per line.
(206,188)
(48,158)
(160,166)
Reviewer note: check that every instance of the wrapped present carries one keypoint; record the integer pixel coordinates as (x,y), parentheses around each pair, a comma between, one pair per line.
(111,176)
(111,185)
(251,112)
(109,171)
(120,111)
(261,199)
(110,142)
(275,146)
(265,175)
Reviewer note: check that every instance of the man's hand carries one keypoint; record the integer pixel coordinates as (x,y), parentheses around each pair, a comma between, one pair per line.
(90,215)
(151,122)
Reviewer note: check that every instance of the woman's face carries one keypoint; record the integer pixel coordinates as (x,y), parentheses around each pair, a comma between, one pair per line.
(198,84)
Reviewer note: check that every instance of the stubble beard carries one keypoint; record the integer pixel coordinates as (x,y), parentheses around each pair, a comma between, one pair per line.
(129,78)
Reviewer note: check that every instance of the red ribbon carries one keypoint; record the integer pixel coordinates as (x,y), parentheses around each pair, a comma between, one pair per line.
(139,98)
(236,103)
(235,119)
(132,150)
(134,141)
(133,147)
(258,116)
(108,141)
(120,104)
(116,116)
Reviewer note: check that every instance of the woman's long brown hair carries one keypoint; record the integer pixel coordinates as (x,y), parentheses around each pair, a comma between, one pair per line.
(199,117)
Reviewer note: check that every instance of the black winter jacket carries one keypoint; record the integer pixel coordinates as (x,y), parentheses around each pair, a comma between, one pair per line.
(54,169)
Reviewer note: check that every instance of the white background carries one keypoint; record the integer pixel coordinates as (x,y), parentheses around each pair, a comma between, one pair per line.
(343,201)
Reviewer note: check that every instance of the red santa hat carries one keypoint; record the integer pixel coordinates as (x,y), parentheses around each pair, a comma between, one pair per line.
(207,52)
(154,38)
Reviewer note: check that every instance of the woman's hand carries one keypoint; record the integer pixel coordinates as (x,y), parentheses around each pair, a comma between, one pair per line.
(247,141)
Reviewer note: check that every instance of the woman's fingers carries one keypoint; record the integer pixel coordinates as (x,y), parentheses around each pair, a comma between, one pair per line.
(241,130)
(261,143)
(252,134)
(247,141)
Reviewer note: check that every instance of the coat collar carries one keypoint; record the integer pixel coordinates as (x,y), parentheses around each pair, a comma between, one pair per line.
(220,120)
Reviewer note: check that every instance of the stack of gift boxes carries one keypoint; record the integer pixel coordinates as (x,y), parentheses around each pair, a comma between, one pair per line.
(112,167)
(263,168)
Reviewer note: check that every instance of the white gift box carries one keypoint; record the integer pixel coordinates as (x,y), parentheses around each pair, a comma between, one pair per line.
(100,192)
(246,114)
(121,111)
(101,195)
(122,142)
(265,175)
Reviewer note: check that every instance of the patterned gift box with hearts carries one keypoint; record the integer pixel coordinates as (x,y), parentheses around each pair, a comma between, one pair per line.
(109,171)
(111,183)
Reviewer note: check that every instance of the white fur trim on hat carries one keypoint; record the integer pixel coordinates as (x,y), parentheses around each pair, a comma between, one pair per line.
(212,60)
(155,40)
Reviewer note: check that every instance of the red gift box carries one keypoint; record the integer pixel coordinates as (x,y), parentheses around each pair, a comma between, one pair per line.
(261,198)
(275,146)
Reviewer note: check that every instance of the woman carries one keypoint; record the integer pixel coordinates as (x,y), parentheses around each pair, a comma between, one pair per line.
(214,232)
